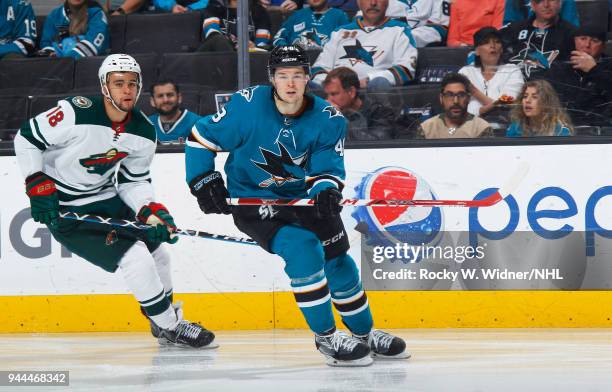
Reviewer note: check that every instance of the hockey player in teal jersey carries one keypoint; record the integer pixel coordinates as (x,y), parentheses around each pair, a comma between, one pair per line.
(310,27)
(172,123)
(285,143)
(92,155)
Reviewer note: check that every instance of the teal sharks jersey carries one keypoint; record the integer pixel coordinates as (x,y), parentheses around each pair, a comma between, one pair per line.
(177,131)
(310,29)
(270,155)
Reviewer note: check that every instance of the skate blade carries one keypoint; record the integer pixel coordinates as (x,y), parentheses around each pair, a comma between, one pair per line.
(365,361)
(402,355)
(167,343)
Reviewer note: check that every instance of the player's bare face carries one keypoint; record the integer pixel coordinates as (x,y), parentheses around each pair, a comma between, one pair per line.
(290,84)
(531,102)
(373,11)
(123,88)
(165,99)
(339,97)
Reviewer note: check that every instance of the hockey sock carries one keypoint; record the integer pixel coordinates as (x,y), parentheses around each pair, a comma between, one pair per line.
(304,259)
(348,296)
(141,277)
(162,263)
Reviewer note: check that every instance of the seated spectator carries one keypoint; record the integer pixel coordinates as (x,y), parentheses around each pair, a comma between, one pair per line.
(428,19)
(76,29)
(540,113)
(517,10)
(584,84)
(180,6)
(534,44)
(124,7)
(455,122)
(310,27)
(17,28)
(493,84)
(172,123)
(381,51)
(220,31)
(469,16)
(367,118)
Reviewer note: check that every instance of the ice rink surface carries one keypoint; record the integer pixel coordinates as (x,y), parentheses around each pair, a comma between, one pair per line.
(286,360)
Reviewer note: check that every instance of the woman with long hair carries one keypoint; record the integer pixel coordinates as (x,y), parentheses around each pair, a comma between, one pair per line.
(78,28)
(539,112)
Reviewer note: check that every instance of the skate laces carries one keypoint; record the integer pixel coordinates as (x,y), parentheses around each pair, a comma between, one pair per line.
(190,330)
(381,339)
(340,340)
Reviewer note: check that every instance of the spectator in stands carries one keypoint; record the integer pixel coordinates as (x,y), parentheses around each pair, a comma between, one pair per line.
(517,10)
(469,16)
(172,123)
(17,28)
(455,122)
(124,7)
(584,83)
(180,6)
(540,113)
(380,50)
(367,118)
(534,44)
(310,27)
(428,19)
(78,28)
(493,84)
(220,31)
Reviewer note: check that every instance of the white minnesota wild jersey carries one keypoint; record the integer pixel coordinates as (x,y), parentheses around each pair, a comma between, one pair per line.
(89,157)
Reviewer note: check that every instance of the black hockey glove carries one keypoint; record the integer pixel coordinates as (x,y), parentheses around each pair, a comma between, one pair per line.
(327,203)
(211,192)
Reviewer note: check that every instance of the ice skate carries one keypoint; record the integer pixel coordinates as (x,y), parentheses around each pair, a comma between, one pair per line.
(384,345)
(341,349)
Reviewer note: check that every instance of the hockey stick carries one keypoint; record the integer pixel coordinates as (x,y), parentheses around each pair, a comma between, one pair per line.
(488,201)
(140,226)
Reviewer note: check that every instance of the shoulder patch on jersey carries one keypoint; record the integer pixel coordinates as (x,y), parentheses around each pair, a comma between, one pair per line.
(248,93)
(82,102)
(332,111)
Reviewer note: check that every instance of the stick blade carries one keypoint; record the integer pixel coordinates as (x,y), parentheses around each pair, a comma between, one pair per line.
(515,180)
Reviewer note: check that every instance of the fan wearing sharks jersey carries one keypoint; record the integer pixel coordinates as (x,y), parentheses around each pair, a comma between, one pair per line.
(17,28)
(78,28)
(285,143)
(380,50)
(91,155)
(311,27)
(172,123)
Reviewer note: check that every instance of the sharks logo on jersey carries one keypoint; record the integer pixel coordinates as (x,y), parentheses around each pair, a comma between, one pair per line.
(281,167)
(359,53)
(333,112)
(247,93)
(101,163)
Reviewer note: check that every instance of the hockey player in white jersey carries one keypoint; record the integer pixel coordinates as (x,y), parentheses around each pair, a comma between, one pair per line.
(380,50)
(91,155)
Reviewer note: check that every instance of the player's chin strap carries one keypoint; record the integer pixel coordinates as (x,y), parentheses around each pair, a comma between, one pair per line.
(121,223)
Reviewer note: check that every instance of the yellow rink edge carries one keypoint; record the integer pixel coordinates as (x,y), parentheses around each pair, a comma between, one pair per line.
(267,310)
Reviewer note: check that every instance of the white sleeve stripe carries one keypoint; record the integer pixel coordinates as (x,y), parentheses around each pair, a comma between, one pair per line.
(85,49)
(195,145)
(91,46)
(203,141)
(325,180)
(79,52)
(36,132)
(132,178)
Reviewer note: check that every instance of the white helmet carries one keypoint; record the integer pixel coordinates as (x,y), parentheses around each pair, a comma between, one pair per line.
(118,63)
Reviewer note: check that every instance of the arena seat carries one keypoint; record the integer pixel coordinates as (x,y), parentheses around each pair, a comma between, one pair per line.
(86,72)
(51,75)
(40,103)
(13,112)
(593,12)
(162,33)
(117,28)
(434,62)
